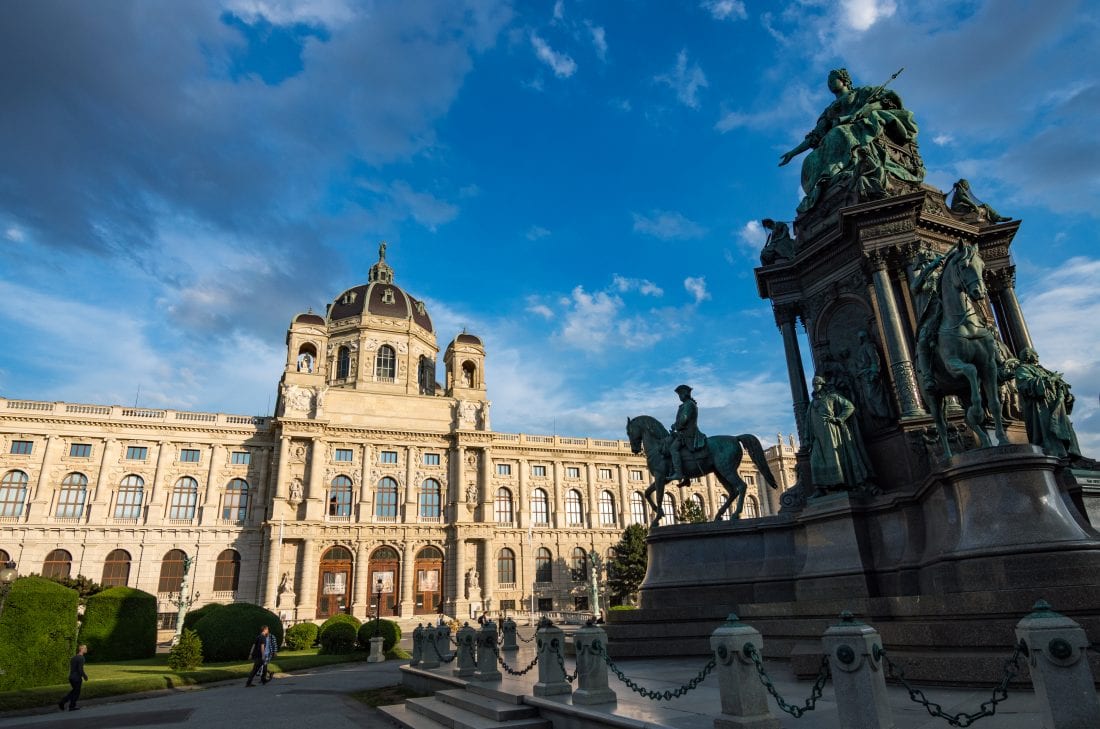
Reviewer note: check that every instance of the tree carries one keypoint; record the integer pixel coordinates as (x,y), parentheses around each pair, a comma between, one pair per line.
(626,570)
(690,513)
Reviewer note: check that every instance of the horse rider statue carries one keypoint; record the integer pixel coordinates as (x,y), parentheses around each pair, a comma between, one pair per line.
(684,434)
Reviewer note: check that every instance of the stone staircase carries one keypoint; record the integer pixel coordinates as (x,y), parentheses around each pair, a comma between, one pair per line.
(472,707)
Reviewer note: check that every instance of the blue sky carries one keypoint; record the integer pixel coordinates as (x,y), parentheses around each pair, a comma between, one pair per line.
(578,182)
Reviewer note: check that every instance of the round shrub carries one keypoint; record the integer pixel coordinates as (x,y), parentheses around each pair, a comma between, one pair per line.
(194,616)
(227,633)
(37,633)
(339,618)
(389,630)
(120,624)
(187,653)
(301,636)
(339,638)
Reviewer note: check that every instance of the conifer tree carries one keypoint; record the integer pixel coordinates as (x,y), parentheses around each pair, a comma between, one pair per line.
(626,570)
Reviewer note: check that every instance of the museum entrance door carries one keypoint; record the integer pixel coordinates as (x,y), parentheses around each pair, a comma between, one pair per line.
(428,581)
(384,566)
(334,588)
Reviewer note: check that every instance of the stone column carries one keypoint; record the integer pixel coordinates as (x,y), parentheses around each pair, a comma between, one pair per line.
(489,574)
(156,497)
(1013,327)
(485,485)
(784,318)
(457,489)
(283,471)
(557,519)
(591,516)
(360,602)
(315,490)
(1058,658)
(406,605)
(622,517)
(307,595)
(101,478)
(49,456)
(273,559)
(459,584)
(896,345)
(523,499)
(365,487)
(410,511)
(210,497)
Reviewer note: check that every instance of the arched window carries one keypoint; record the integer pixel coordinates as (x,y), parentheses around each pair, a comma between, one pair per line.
(506,567)
(385,364)
(131,492)
(540,507)
(171,571)
(235,503)
(668,504)
(334,582)
(4,557)
(339,496)
(343,363)
(70,500)
(307,358)
(469,374)
(425,376)
(504,511)
(752,508)
(428,582)
(116,569)
(698,499)
(430,495)
(13,493)
(58,564)
(579,565)
(544,565)
(185,496)
(227,571)
(385,499)
(607,509)
(573,508)
(637,508)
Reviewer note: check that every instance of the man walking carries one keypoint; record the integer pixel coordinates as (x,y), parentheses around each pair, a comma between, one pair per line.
(272,649)
(76,678)
(259,657)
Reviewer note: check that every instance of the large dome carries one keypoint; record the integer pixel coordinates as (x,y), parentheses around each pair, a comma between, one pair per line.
(380,296)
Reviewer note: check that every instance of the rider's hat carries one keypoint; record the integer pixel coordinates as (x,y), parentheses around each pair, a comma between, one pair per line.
(683,390)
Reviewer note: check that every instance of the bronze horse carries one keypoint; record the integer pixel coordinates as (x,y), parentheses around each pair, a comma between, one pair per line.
(722,457)
(967,359)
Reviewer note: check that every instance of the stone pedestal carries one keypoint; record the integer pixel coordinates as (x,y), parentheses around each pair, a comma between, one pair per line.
(835,550)
(551,649)
(857,675)
(744,701)
(376,655)
(590,643)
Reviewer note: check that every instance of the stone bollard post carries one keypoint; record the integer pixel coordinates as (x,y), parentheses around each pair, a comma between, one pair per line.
(465,661)
(487,654)
(744,701)
(443,641)
(1060,670)
(428,657)
(418,648)
(591,642)
(858,677)
(376,654)
(508,631)
(550,642)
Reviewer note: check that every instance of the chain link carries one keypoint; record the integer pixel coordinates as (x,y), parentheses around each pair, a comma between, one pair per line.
(561,663)
(440,655)
(511,671)
(823,674)
(962,719)
(525,640)
(667,694)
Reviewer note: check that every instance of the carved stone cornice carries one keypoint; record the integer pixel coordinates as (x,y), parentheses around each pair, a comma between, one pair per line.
(1001,278)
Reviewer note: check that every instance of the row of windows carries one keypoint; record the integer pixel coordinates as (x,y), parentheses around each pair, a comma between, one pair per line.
(429,498)
(72,497)
(385,363)
(133,453)
(347,455)
(116,569)
(539,471)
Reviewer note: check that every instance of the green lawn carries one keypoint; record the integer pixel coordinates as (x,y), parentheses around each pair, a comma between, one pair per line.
(147,674)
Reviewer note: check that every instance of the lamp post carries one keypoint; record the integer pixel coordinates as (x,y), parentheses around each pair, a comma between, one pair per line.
(376,655)
(378,607)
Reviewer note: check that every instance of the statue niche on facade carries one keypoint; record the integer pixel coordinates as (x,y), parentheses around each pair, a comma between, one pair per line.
(970,208)
(1047,404)
(838,461)
(864,143)
(873,401)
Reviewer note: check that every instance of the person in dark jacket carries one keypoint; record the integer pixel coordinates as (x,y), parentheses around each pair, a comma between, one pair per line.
(259,657)
(76,678)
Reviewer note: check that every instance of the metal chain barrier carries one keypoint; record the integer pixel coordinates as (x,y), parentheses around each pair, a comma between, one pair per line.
(810,704)
(561,662)
(439,655)
(511,671)
(667,694)
(525,640)
(962,719)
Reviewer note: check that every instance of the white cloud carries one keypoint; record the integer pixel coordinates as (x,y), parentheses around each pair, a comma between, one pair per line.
(289,12)
(599,40)
(541,310)
(725,9)
(422,207)
(536,232)
(15,234)
(559,10)
(942,139)
(641,285)
(667,225)
(697,287)
(593,323)
(752,237)
(862,14)
(561,64)
(684,80)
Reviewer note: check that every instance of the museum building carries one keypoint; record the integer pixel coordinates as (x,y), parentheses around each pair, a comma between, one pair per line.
(371,482)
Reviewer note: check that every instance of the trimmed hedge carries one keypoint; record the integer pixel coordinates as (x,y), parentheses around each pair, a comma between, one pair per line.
(227,633)
(339,618)
(301,636)
(389,630)
(194,616)
(120,623)
(339,638)
(37,634)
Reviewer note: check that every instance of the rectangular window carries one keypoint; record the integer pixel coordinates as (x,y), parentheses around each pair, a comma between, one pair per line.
(508,605)
(580,602)
(189,455)
(504,469)
(387,457)
(546,604)
(167,621)
(240,458)
(431,459)
(605,474)
(343,454)
(136,453)
(80,450)
(22,447)
(538,470)
(635,475)
(572,472)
